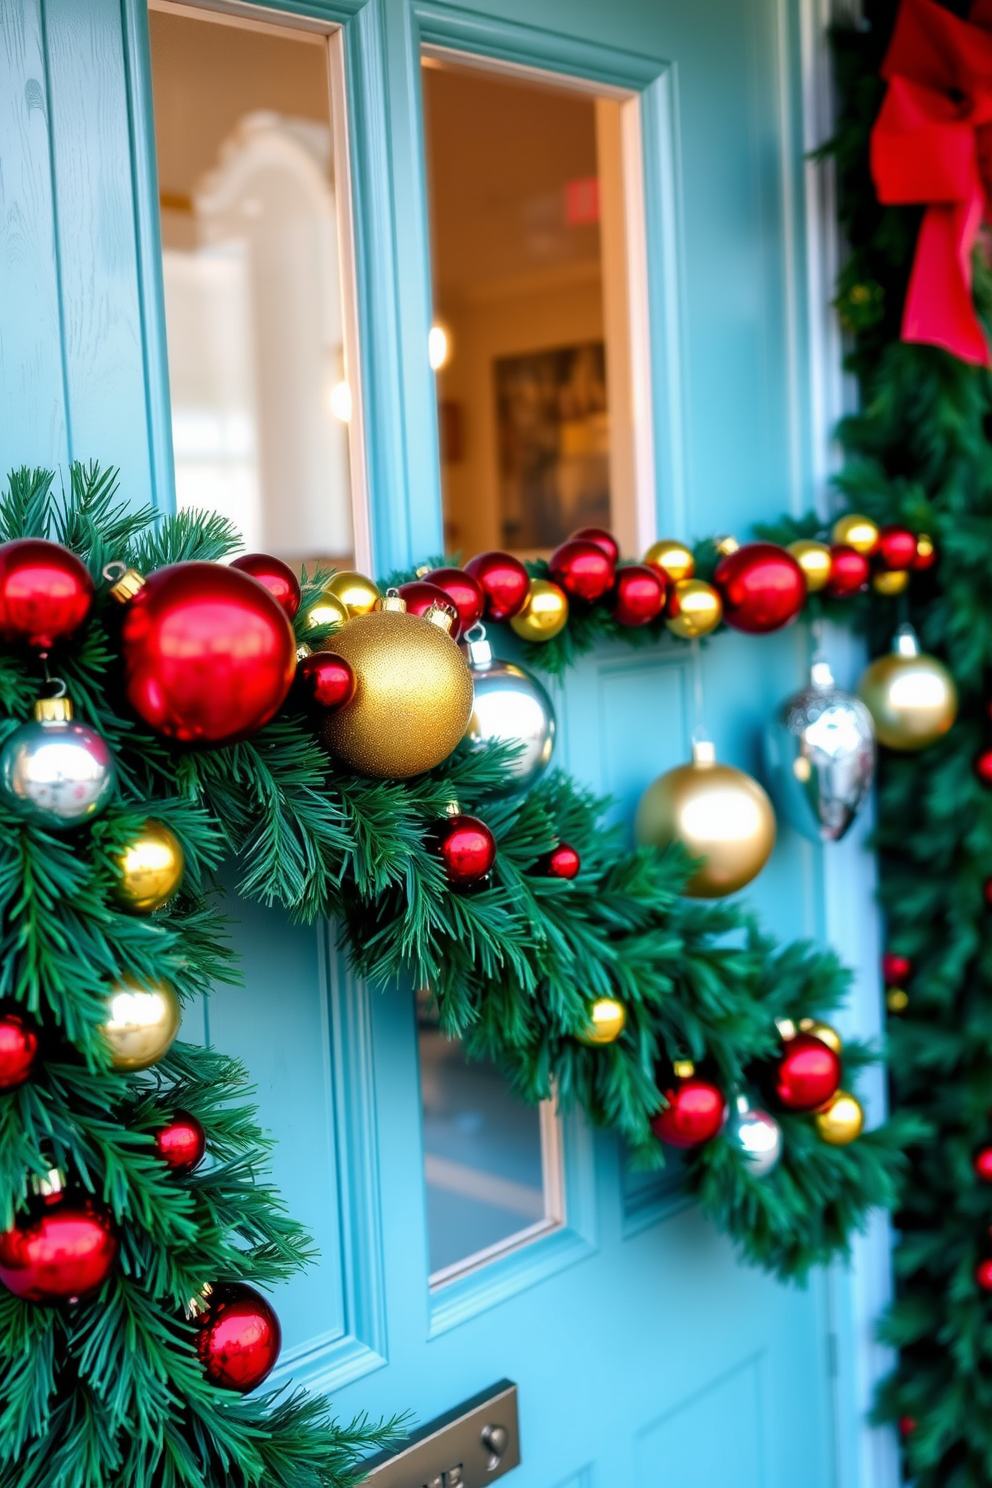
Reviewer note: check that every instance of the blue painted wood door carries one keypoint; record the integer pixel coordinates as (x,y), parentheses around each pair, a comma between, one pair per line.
(643,1353)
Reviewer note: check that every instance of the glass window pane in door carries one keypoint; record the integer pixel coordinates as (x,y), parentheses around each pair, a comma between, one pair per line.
(253,290)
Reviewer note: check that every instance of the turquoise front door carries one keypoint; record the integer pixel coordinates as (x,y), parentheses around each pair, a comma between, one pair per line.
(644,1355)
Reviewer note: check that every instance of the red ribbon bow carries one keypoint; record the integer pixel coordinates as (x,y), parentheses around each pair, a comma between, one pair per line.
(932,143)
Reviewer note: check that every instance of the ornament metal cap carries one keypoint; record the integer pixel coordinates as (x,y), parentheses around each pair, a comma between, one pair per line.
(303,651)
(684,1069)
(441,616)
(53,709)
(477,648)
(820,675)
(45,1185)
(703,752)
(125,582)
(786,1027)
(905,641)
(394,601)
(726,545)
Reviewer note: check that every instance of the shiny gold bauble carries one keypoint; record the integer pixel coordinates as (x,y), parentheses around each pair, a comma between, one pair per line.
(413,698)
(142,1022)
(890,580)
(356,594)
(857,532)
(694,609)
(607,1020)
(150,868)
(324,609)
(544,614)
(814,558)
(673,558)
(911,696)
(841,1120)
(823,1032)
(718,814)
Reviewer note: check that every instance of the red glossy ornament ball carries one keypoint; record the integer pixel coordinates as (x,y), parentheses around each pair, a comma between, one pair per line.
(182,1144)
(982,1164)
(464,590)
(468,849)
(849,571)
(987,892)
(419,595)
(327,680)
(602,538)
(639,595)
(18,1047)
(695,1113)
(238,1338)
(582,569)
(762,587)
(983,767)
(61,1252)
(45,592)
(808,1073)
(907,1425)
(563,862)
(209,655)
(895,969)
(983,1274)
(278,578)
(896,548)
(503,580)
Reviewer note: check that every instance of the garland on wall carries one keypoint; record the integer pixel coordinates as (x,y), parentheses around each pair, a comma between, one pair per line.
(160,714)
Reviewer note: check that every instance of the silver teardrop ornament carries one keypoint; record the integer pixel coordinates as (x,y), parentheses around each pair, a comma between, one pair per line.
(820,752)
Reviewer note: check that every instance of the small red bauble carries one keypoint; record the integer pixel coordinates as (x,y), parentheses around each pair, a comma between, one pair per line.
(327,680)
(982,1164)
(896,547)
(563,862)
(695,1113)
(639,595)
(582,569)
(420,594)
(278,578)
(61,1252)
(18,1047)
(907,1425)
(182,1143)
(983,1274)
(987,891)
(895,969)
(45,592)
(983,767)
(808,1073)
(238,1338)
(849,571)
(463,590)
(762,587)
(503,580)
(468,849)
(209,655)
(601,537)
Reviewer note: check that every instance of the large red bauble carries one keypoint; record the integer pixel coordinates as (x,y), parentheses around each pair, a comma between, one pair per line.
(895,969)
(982,1164)
(238,1338)
(503,580)
(209,655)
(18,1047)
(808,1073)
(420,594)
(849,571)
(562,862)
(45,592)
(63,1251)
(278,578)
(327,680)
(639,595)
(695,1113)
(467,848)
(182,1143)
(602,538)
(762,587)
(896,548)
(582,569)
(464,590)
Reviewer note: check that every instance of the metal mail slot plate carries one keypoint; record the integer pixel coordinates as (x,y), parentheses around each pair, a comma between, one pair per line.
(468,1447)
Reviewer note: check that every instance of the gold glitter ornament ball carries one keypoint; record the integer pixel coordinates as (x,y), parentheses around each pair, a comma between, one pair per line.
(413,698)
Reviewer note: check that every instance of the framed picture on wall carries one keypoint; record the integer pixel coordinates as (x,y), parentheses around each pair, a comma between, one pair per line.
(554,442)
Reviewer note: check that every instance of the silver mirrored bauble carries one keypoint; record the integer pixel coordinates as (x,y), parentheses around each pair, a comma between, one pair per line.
(56,773)
(820,750)
(756,1135)
(511,705)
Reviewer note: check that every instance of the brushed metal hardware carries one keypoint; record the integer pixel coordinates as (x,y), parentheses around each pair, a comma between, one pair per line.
(468,1447)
